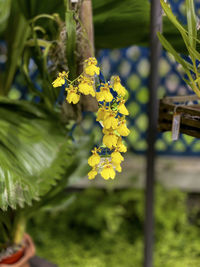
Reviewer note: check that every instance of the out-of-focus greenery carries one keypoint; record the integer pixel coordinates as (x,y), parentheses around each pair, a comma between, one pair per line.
(111,18)
(106,229)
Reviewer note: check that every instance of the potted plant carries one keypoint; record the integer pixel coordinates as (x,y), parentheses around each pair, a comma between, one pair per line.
(174,111)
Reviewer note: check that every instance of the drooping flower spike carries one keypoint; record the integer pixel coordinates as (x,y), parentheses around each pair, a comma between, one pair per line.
(107,158)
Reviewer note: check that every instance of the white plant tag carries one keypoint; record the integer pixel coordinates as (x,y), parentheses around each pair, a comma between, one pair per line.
(176,126)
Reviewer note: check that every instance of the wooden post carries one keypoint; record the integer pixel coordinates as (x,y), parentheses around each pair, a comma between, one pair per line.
(87,21)
(88,103)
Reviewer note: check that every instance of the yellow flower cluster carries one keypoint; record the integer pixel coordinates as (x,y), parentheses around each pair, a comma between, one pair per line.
(107,158)
(84,84)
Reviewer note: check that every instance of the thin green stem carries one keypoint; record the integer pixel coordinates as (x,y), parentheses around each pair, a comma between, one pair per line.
(19,228)
(194,87)
(71,82)
(196,72)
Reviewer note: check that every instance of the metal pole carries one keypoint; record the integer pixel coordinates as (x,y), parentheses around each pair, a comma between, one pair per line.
(155,49)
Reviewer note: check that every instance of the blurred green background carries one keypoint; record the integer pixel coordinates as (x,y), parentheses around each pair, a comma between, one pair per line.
(105,228)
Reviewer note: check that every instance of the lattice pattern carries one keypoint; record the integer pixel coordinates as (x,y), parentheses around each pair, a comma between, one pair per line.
(132,65)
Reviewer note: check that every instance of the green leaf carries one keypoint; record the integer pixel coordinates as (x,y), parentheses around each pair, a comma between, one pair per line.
(25,70)
(4,13)
(71,42)
(191,22)
(173,19)
(111,18)
(15,45)
(33,8)
(194,53)
(34,152)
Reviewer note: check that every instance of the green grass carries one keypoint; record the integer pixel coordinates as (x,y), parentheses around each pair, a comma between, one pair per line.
(105,229)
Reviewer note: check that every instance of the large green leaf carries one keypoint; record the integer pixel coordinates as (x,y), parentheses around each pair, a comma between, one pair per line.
(34,152)
(123,23)
(32,8)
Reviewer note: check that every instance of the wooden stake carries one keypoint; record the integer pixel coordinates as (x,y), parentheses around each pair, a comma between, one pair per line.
(88,103)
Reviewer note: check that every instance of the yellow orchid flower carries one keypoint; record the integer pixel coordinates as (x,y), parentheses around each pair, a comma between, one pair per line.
(110,139)
(101,114)
(116,157)
(118,87)
(122,108)
(104,94)
(90,67)
(108,171)
(118,168)
(92,174)
(60,80)
(110,122)
(120,146)
(94,159)
(122,129)
(72,95)
(86,86)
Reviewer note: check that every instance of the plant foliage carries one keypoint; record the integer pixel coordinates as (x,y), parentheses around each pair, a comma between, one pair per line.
(106,229)
(34,152)
(190,40)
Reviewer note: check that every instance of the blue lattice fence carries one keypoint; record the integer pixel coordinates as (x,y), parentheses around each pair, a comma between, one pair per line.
(132,65)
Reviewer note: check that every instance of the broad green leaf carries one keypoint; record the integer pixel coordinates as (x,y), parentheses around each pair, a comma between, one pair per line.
(33,8)
(111,18)
(34,151)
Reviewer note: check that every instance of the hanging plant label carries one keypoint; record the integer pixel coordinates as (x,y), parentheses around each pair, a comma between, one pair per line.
(176,126)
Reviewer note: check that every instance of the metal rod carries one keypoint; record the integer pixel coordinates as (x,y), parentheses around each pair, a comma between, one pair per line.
(155,49)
